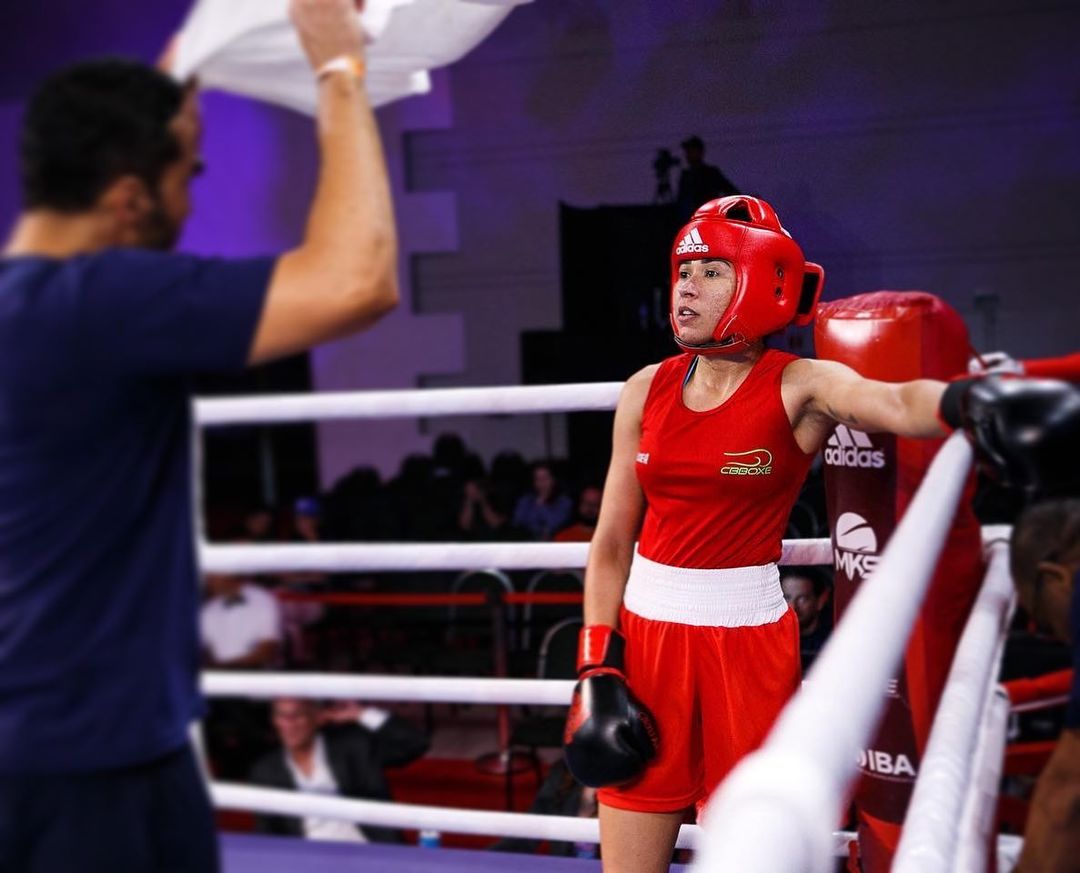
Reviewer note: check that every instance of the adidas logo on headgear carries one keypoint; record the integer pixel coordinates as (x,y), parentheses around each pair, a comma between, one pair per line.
(852,448)
(691,243)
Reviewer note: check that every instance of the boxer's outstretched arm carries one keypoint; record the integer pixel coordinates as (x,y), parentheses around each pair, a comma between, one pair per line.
(621,512)
(829,390)
(343,276)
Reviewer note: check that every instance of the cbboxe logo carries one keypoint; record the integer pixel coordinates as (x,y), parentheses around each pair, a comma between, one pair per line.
(852,448)
(856,546)
(756,462)
(691,243)
(885,764)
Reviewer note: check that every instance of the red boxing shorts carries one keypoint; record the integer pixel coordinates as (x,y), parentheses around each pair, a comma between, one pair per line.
(714,655)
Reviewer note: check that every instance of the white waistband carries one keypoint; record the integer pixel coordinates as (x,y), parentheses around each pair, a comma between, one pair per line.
(735,597)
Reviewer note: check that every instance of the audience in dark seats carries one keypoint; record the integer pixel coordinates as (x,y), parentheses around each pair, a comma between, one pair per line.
(588,511)
(560,794)
(807,590)
(341,750)
(1045,563)
(545,509)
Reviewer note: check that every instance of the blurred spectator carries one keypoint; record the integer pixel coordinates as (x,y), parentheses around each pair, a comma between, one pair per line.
(560,794)
(241,629)
(485,514)
(258,524)
(357,508)
(307,519)
(699,182)
(419,517)
(1045,559)
(452,460)
(544,510)
(297,615)
(240,624)
(452,466)
(588,511)
(510,475)
(340,751)
(807,590)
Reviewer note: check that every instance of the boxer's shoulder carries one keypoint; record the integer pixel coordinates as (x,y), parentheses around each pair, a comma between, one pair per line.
(804,379)
(637,386)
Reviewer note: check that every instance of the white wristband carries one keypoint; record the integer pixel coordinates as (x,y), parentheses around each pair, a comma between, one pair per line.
(350,64)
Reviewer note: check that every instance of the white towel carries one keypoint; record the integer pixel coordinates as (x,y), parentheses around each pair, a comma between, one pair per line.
(249,47)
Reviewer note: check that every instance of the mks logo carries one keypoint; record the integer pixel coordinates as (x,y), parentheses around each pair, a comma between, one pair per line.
(852,448)
(856,546)
(756,462)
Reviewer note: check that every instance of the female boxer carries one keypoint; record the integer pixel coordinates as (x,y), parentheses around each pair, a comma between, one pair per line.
(689,651)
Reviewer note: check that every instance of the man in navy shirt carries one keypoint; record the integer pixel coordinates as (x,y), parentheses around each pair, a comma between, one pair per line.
(1045,562)
(101,332)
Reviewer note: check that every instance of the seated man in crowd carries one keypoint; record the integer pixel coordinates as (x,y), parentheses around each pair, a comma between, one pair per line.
(342,751)
(1045,558)
(807,589)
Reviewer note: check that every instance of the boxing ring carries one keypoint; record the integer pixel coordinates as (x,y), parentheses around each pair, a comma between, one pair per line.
(777,811)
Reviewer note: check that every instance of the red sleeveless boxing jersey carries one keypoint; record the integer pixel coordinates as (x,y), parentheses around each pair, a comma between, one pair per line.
(719,484)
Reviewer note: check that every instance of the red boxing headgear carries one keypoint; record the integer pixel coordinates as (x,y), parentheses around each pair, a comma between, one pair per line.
(774,284)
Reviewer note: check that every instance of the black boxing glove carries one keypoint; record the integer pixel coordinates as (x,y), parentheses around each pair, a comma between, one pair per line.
(1026,431)
(610,736)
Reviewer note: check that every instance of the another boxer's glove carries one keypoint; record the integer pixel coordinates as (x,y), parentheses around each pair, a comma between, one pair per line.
(610,736)
(1026,431)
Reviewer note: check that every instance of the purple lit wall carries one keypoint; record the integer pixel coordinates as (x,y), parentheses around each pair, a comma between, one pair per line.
(922,145)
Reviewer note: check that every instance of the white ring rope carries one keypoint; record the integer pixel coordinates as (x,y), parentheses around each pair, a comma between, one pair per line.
(504,400)
(383,557)
(775,811)
(427,689)
(387,814)
(976,828)
(407,816)
(348,557)
(931,833)
(1042,703)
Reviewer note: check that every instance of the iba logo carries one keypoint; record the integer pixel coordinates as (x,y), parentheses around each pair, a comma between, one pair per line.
(885,764)
(852,448)
(756,462)
(856,546)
